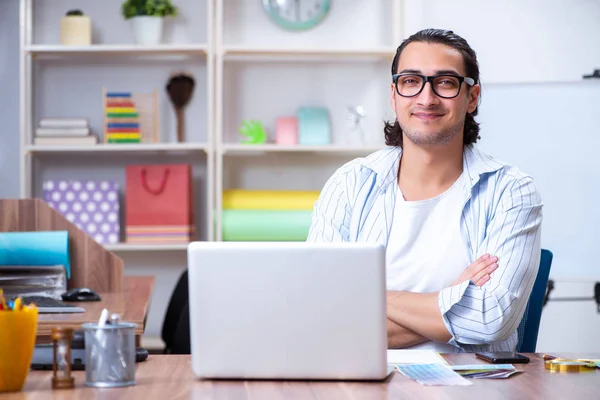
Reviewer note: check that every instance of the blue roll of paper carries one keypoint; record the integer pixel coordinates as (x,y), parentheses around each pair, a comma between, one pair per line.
(35,248)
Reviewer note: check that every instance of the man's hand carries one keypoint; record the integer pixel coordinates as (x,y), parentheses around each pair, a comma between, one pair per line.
(479,271)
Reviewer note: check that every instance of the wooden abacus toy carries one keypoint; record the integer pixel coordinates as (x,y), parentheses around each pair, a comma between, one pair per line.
(130,117)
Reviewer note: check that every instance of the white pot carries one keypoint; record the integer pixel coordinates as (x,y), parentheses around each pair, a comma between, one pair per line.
(147,30)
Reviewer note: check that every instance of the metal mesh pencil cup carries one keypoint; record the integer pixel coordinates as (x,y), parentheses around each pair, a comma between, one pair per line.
(109,354)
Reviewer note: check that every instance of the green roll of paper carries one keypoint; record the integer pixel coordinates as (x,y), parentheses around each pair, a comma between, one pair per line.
(35,248)
(265,225)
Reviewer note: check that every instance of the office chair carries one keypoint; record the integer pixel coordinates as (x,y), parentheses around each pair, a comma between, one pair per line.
(177,304)
(529,327)
(181,340)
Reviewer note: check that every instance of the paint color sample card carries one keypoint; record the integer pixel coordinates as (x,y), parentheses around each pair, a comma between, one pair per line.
(479,371)
(433,375)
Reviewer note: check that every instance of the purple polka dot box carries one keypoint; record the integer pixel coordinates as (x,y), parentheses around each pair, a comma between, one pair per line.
(93,206)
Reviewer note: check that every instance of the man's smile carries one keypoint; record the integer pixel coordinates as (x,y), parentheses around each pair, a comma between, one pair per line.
(427,116)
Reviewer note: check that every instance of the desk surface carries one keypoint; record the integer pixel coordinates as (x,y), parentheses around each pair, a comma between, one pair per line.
(170,376)
(132,303)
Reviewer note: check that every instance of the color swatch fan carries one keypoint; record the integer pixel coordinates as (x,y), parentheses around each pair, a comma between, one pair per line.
(130,117)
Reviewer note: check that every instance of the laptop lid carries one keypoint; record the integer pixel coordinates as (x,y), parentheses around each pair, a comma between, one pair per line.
(287,310)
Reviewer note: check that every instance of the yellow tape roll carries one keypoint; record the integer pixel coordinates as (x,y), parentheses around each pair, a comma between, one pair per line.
(238,199)
(566,365)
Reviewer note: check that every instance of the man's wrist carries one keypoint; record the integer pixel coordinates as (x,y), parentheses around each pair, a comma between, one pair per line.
(418,312)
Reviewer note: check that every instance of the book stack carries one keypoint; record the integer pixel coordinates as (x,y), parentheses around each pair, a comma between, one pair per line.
(64,131)
(122,119)
(33,280)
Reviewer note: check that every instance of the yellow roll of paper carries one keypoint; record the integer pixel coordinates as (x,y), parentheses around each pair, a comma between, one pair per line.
(239,199)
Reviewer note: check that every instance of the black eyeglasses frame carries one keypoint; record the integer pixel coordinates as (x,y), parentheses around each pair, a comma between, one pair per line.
(430,78)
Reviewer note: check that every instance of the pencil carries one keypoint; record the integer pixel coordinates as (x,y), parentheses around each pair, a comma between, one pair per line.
(18,304)
(3,305)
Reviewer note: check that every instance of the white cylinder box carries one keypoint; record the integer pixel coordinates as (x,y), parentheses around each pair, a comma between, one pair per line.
(76,30)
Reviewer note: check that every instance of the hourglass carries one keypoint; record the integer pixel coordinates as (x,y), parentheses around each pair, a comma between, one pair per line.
(61,366)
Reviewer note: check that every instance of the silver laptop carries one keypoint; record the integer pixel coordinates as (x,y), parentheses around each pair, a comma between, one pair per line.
(287,310)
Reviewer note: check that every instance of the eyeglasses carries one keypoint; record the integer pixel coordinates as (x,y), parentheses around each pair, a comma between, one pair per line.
(445,86)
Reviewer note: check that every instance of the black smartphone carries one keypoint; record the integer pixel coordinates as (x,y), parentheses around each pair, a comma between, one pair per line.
(503,358)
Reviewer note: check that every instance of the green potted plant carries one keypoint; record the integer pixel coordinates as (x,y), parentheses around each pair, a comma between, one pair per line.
(147,18)
(75,29)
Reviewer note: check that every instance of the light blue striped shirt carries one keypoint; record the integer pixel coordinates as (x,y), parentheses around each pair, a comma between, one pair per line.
(502,216)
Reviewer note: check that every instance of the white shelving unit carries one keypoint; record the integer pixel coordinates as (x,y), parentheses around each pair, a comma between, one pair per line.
(246,67)
(78,74)
(242,149)
(246,53)
(264,71)
(115,49)
(120,148)
(122,247)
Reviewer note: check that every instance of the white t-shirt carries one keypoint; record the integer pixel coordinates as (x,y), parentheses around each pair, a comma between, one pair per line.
(426,251)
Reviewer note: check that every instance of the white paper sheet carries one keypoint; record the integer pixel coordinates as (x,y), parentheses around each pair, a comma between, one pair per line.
(396,357)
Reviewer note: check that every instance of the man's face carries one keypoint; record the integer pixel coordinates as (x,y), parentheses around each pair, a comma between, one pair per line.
(428,119)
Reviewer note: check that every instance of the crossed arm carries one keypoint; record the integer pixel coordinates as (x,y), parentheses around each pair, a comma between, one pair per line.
(409,313)
(470,312)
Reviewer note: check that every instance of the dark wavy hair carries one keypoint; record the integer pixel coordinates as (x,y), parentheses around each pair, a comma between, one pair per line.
(393,131)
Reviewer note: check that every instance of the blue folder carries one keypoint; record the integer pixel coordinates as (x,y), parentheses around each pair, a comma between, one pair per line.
(35,249)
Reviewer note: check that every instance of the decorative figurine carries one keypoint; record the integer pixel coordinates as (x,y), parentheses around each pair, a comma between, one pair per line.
(254,132)
(354,117)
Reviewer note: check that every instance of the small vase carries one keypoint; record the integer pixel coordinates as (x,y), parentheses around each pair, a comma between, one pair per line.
(75,30)
(147,30)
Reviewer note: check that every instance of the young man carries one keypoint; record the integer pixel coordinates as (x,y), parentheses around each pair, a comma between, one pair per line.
(461,229)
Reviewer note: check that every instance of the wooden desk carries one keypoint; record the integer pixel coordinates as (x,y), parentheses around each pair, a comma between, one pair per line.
(170,376)
(132,304)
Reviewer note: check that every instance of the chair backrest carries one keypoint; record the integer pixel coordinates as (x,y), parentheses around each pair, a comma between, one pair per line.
(530,324)
(178,302)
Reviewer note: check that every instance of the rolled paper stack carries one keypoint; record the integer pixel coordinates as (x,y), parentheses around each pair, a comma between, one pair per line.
(267,215)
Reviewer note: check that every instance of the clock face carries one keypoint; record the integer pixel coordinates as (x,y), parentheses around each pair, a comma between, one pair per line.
(297,14)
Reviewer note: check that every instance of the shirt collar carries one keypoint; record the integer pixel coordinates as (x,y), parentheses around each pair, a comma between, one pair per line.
(384,163)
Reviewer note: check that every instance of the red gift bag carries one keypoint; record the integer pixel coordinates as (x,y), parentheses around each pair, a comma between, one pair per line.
(158,203)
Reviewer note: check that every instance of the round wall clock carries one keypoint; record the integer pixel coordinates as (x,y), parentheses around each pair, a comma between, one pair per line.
(297,15)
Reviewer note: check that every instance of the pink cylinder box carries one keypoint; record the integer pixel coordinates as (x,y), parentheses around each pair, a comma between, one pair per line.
(286,130)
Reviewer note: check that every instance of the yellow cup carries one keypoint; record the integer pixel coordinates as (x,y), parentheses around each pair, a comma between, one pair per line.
(17,341)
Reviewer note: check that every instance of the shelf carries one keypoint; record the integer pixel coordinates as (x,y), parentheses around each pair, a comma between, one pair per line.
(257,53)
(121,247)
(117,49)
(243,149)
(132,148)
